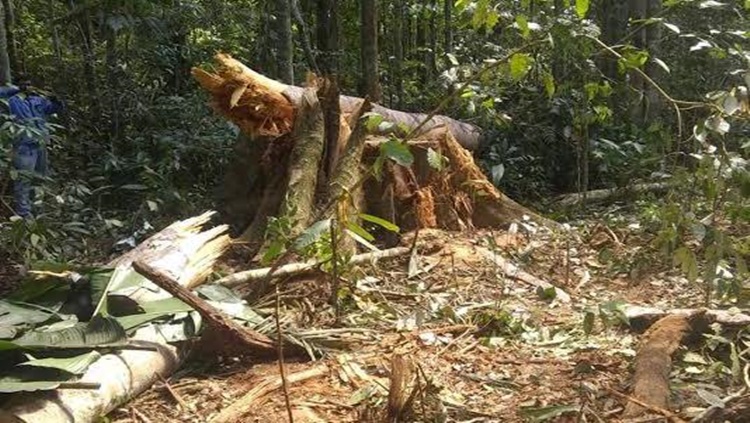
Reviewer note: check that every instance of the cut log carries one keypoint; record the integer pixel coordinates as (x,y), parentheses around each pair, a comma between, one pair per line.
(266,107)
(610,194)
(643,317)
(180,250)
(654,359)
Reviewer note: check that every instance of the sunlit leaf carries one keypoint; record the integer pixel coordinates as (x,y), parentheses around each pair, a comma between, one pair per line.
(523,25)
(662,64)
(730,104)
(672,27)
(711,4)
(549,84)
(380,222)
(700,45)
(582,8)
(520,63)
(313,234)
(436,160)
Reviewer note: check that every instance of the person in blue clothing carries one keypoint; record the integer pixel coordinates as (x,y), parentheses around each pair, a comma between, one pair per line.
(29,111)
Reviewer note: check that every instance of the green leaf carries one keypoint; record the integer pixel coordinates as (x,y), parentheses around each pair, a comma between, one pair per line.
(32,379)
(312,234)
(398,152)
(373,121)
(549,84)
(360,231)
(380,222)
(100,331)
(582,8)
(16,317)
(74,365)
(685,258)
(523,25)
(436,160)
(520,63)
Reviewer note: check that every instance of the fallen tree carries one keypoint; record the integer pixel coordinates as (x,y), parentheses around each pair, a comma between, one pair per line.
(433,184)
(182,251)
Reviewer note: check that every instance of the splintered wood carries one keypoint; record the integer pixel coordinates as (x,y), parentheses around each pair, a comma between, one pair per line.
(250,100)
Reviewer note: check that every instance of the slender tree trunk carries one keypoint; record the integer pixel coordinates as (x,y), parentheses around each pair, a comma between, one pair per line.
(328,45)
(638,11)
(448,30)
(5,71)
(283,40)
(613,19)
(304,31)
(113,82)
(653,40)
(432,37)
(370,85)
(10,31)
(398,49)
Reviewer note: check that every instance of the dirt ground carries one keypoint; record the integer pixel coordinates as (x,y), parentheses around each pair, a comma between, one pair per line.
(480,345)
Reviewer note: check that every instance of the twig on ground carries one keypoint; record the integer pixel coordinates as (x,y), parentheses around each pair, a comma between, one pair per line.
(282,371)
(300,268)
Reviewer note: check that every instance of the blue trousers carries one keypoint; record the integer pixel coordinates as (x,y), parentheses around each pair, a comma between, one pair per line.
(28,158)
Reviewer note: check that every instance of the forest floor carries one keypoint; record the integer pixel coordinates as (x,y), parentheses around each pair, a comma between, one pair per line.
(484,345)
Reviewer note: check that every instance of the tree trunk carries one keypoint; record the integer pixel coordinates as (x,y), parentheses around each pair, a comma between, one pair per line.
(283,40)
(5,71)
(304,31)
(328,45)
(613,19)
(398,49)
(370,85)
(113,82)
(10,31)
(432,37)
(653,41)
(638,11)
(448,30)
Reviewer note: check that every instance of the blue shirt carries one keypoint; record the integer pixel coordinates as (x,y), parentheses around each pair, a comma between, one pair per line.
(29,111)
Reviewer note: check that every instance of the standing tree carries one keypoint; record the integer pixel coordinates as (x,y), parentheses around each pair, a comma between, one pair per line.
(328,45)
(284,52)
(5,72)
(370,85)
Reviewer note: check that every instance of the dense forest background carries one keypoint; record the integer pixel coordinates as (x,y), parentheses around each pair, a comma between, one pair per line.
(572,96)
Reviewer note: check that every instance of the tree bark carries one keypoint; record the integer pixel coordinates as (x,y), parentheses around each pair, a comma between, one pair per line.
(398,49)
(370,85)
(283,40)
(113,82)
(5,70)
(638,11)
(654,101)
(328,45)
(448,30)
(10,31)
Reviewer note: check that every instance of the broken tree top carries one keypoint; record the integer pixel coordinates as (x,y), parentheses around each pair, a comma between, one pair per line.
(262,106)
